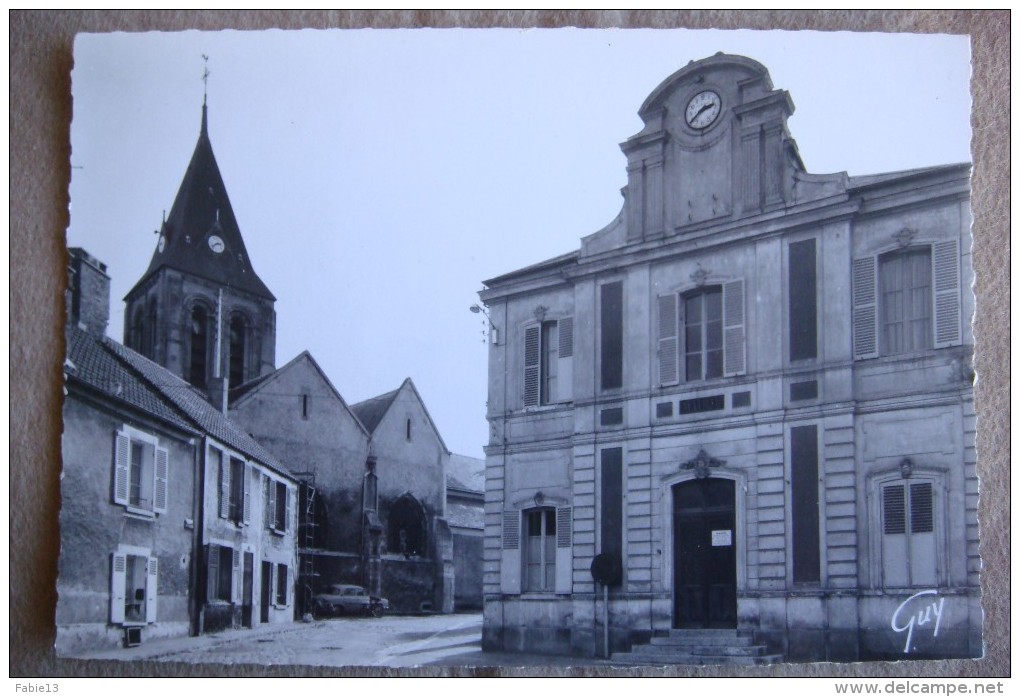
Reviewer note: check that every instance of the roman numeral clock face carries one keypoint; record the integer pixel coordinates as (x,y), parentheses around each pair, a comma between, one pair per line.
(703,110)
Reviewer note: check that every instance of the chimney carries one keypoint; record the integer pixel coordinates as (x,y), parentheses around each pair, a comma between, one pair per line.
(88,292)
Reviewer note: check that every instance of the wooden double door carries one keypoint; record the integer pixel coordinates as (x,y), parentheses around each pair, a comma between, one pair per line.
(704,554)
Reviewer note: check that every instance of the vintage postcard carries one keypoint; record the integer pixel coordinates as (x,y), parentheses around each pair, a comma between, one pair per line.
(572,347)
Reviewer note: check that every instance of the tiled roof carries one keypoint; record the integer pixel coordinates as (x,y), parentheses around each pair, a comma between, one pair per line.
(464,516)
(193,404)
(371,411)
(465,473)
(92,363)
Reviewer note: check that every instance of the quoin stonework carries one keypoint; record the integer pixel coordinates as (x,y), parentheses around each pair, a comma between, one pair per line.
(748,400)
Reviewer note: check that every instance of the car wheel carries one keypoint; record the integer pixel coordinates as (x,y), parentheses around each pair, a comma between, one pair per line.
(339,611)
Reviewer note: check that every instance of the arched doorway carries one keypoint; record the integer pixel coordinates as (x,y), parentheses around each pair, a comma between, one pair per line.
(407,528)
(704,554)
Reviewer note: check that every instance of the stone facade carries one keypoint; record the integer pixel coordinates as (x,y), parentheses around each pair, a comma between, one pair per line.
(751,392)
(166,503)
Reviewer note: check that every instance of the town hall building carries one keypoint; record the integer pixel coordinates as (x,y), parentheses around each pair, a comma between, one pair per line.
(738,422)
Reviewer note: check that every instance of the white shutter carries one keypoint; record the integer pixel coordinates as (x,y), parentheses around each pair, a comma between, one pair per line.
(151,589)
(510,562)
(162,474)
(118,584)
(224,485)
(564,550)
(667,339)
(734,353)
(946,282)
(532,365)
(246,515)
(235,576)
(288,493)
(565,386)
(121,469)
(271,506)
(865,318)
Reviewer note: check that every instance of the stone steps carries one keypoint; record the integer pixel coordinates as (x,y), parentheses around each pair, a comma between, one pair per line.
(699,647)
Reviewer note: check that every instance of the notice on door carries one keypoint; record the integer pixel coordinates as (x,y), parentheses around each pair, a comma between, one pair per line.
(722,538)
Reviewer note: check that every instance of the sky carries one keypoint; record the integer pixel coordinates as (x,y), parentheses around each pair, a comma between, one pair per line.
(380,176)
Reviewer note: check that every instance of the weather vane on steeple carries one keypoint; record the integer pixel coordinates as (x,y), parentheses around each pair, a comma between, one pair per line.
(205,78)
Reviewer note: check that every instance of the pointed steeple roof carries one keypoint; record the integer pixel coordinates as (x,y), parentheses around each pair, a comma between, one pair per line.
(201,235)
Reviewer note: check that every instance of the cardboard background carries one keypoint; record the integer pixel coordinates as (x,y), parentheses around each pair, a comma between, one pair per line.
(40,113)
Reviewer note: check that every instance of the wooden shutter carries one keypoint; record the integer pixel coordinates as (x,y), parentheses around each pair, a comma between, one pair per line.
(235,576)
(667,339)
(121,469)
(162,473)
(224,485)
(271,506)
(532,365)
(510,562)
(151,589)
(212,572)
(734,353)
(565,385)
(118,585)
(895,556)
(865,318)
(946,282)
(287,508)
(246,513)
(564,550)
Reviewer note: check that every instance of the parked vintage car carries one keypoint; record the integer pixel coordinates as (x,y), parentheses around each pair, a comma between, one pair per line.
(347,599)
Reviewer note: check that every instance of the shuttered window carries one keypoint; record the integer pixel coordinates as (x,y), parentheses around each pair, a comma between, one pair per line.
(133,587)
(548,363)
(701,334)
(909,534)
(907,300)
(539,553)
(141,472)
(222,567)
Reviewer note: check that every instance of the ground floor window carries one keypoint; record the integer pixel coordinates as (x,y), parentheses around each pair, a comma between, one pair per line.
(281,584)
(221,562)
(133,587)
(909,527)
(539,550)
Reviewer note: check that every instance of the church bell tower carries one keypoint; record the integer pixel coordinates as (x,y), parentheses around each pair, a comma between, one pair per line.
(200,310)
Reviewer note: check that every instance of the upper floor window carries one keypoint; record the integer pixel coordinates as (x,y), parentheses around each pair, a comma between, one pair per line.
(907,300)
(277,505)
(701,333)
(904,281)
(234,487)
(141,472)
(548,362)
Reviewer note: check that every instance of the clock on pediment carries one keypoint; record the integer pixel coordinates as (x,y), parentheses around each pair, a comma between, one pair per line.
(703,109)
